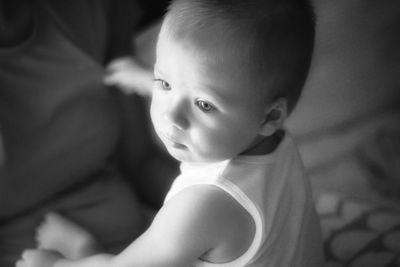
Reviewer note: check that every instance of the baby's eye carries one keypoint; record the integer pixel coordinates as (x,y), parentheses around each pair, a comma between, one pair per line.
(204,105)
(164,84)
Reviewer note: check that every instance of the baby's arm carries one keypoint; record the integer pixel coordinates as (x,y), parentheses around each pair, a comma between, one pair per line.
(178,235)
(197,222)
(173,240)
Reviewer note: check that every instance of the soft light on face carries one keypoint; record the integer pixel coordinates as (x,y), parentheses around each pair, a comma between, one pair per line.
(203,109)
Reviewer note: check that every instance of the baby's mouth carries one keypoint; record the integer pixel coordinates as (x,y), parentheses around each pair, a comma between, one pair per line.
(172,142)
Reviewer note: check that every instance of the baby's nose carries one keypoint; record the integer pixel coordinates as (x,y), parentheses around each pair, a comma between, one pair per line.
(176,115)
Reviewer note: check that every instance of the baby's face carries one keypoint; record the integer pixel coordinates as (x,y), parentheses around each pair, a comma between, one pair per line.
(203,110)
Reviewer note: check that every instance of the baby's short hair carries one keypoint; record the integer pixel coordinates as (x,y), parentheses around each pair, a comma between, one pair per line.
(274,37)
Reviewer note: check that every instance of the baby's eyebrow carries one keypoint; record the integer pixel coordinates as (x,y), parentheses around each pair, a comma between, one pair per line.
(213,92)
(159,74)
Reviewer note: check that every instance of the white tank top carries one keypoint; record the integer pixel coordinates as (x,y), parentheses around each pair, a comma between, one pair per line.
(275,191)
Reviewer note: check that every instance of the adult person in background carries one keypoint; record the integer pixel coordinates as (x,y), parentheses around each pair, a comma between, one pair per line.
(66,137)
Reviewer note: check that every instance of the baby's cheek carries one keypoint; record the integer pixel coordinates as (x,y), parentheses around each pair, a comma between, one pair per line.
(154,112)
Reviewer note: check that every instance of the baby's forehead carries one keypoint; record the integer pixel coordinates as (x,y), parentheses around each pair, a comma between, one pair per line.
(206,54)
(217,41)
(212,29)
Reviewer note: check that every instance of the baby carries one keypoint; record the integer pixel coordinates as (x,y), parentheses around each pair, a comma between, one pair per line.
(227,74)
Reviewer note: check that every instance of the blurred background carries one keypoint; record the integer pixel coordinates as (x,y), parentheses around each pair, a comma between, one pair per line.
(348,120)
(347,125)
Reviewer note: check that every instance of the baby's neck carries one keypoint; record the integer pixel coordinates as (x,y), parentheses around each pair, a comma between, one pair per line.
(264,144)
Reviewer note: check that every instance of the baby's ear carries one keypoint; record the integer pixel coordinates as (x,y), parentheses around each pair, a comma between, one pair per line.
(275,115)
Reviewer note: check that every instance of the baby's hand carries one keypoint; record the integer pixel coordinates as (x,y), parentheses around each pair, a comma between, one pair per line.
(129,76)
(38,258)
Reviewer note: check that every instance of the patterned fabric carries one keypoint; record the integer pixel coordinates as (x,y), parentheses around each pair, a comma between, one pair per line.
(359,234)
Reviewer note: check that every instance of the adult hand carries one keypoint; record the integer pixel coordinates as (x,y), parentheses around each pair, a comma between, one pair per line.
(130,76)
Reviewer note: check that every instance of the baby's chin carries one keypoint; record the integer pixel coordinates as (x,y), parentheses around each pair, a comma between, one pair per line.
(190,154)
